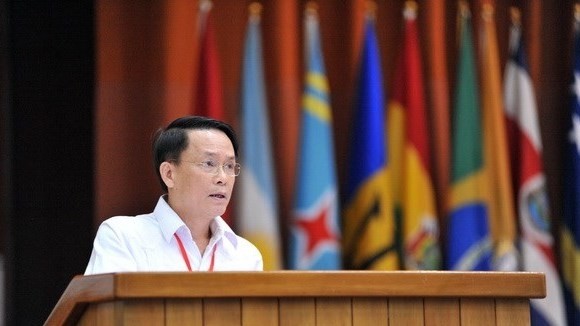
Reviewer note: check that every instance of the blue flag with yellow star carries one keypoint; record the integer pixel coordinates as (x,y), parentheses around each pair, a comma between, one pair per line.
(314,242)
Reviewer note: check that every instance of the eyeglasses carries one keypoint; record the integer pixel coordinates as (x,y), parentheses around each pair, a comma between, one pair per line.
(212,167)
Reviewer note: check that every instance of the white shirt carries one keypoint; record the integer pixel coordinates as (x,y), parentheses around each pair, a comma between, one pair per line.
(147,243)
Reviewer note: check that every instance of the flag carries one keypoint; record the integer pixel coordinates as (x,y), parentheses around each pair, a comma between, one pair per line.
(417,206)
(469,243)
(570,233)
(439,99)
(536,242)
(315,232)
(208,90)
(257,200)
(496,159)
(369,226)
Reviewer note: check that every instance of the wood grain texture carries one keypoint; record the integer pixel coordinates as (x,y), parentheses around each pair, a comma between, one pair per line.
(406,311)
(477,311)
(260,311)
(441,312)
(333,311)
(222,311)
(217,301)
(370,311)
(512,312)
(183,311)
(297,311)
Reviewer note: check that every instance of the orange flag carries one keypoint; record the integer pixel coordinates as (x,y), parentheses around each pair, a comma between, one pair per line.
(502,211)
(438,90)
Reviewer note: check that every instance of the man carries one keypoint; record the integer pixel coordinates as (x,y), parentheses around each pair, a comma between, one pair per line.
(195,160)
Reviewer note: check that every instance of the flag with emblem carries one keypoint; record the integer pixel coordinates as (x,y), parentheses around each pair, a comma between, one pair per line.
(469,243)
(525,146)
(257,201)
(369,225)
(417,196)
(315,232)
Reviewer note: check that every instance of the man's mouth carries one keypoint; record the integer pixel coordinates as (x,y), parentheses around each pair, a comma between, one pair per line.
(220,196)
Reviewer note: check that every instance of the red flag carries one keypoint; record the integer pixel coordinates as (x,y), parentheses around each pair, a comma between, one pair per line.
(208,89)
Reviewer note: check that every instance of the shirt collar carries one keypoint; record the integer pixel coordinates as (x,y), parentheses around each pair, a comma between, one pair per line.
(170,222)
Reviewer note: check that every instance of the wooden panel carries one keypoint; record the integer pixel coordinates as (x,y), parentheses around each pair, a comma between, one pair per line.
(333,284)
(222,311)
(297,311)
(260,311)
(406,311)
(370,311)
(333,311)
(441,312)
(89,290)
(100,314)
(89,317)
(142,312)
(183,311)
(512,312)
(477,312)
(82,289)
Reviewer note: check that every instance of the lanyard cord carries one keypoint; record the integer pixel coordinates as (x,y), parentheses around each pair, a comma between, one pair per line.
(186,259)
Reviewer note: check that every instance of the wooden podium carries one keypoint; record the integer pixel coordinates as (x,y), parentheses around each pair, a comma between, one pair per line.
(300,298)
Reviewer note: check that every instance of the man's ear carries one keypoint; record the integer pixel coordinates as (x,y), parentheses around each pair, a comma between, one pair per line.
(166,171)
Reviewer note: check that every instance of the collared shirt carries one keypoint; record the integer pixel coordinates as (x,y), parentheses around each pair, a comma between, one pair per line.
(147,243)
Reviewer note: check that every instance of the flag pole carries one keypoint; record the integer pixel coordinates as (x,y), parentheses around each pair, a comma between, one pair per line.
(516,16)
(371,9)
(255,11)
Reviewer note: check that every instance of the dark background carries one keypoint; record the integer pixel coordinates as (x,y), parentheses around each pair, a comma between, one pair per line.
(47,91)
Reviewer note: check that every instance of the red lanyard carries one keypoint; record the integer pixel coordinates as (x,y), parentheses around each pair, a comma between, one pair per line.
(184,254)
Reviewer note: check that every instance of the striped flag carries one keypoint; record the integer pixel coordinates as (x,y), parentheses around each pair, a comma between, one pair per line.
(417,206)
(496,159)
(315,232)
(570,233)
(536,241)
(208,89)
(257,199)
(469,244)
(369,228)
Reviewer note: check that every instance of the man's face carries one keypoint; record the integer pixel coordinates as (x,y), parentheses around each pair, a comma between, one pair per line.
(197,192)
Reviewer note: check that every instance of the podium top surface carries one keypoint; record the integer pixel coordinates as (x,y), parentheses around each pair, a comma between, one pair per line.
(440,284)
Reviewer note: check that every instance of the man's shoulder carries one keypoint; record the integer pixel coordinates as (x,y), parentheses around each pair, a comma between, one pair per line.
(247,247)
(126,221)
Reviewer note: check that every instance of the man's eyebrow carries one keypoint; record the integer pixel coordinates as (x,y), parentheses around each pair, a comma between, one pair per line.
(214,154)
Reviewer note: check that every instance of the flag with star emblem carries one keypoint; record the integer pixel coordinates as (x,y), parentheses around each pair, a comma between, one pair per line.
(369,225)
(570,232)
(469,244)
(536,242)
(315,234)
(496,159)
(416,195)
(257,201)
